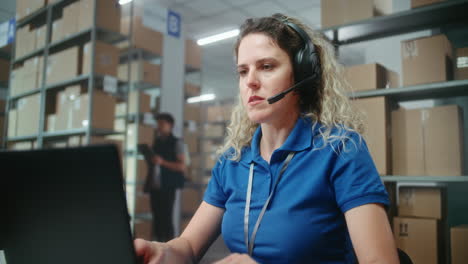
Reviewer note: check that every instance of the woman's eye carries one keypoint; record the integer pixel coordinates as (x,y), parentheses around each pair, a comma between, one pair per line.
(241,72)
(267,66)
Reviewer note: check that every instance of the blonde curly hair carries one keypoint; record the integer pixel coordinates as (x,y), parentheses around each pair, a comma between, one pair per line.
(325,102)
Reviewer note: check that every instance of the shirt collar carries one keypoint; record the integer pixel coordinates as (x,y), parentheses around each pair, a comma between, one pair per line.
(299,139)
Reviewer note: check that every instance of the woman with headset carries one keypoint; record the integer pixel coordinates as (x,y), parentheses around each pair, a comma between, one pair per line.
(295,182)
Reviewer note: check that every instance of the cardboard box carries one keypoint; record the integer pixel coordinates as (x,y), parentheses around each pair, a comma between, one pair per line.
(64,104)
(192,112)
(210,161)
(377,136)
(28,115)
(426,60)
(337,12)
(24,8)
(210,147)
(142,37)
(423,202)
(145,102)
(370,76)
(70,18)
(195,161)
(25,41)
(57,30)
(41,35)
(191,199)
(103,111)
(25,145)
(106,59)
(51,123)
(193,54)
(141,71)
(418,3)
(145,135)
(461,72)
(137,170)
(219,113)
(191,139)
(213,130)
(12,123)
(120,109)
(191,90)
(458,243)
(142,204)
(419,238)
(443,141)
(428,142)
(143,229)
(107,15)
(62,66)
(4,70)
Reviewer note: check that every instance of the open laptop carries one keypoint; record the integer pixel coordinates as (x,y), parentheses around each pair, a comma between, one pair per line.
(64,206)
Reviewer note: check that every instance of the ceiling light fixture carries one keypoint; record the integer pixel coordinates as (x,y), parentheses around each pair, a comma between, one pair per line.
(123,2)
(218,37)
(201,98)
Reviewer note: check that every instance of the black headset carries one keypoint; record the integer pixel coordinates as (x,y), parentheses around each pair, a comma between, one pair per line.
(306,62)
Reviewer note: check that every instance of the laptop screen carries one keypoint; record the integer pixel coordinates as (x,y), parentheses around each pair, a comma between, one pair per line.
(64,206)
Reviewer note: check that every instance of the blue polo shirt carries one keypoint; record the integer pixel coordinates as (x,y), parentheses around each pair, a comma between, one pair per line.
(305,220)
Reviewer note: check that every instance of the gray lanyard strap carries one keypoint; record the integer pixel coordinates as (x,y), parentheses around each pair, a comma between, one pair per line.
(250,244)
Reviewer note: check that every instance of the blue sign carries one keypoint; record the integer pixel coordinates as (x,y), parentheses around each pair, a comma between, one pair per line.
(173,24)
(11,30)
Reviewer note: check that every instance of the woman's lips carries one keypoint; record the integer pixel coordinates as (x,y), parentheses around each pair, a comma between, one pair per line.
(255,100)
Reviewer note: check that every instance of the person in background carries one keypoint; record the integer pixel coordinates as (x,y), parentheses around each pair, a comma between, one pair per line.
(165,177)
(294,182)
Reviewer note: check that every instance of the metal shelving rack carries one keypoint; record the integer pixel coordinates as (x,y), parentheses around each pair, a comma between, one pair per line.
(128,55)
(47,13)
(448,17)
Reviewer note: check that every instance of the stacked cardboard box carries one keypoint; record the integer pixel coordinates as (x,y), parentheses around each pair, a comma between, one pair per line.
(192,112)
(24,120)
(377,136)
(23,145)
(27,77)
(458,243)
(426,60)
(143,229)
(137,170)
(63,65)
(191,138)
(144,102)
(371,76)
(219,113)
(191,90)
(191,199)
(417,229)
(78,17)
(418,3)
(337,12)
(428,142)
(142,204)
(141,71)
(143,37)
(106,59)
(213,130)
(193,54)
(73,105)
(461,72)
(145,135)
(25,8)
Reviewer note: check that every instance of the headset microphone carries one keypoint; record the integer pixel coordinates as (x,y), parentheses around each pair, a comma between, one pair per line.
(280,96)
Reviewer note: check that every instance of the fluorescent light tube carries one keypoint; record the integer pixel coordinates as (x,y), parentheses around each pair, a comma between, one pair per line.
(201,98)
(218,37)
(123,2)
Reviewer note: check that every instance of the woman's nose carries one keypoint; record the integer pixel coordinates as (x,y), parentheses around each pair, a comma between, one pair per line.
(252,80)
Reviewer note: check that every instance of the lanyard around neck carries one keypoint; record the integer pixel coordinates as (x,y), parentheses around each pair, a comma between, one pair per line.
(250,244)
